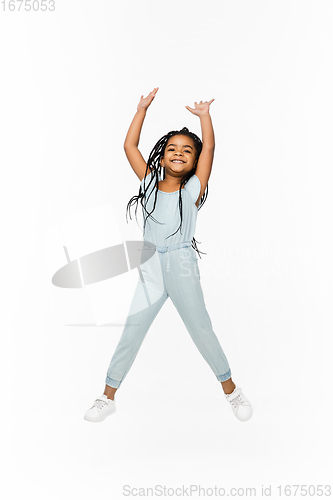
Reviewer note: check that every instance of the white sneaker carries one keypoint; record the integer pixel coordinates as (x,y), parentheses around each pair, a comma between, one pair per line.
(102,408)
(240,405)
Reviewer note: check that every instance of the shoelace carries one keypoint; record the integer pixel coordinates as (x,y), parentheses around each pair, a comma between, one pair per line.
(99,403)
(237,401)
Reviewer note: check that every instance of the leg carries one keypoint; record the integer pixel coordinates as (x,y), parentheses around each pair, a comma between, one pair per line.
(185,291)
(135,329)
(109,392)
(228,386)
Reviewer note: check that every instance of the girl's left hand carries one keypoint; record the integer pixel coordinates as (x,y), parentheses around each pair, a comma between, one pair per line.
(201,108)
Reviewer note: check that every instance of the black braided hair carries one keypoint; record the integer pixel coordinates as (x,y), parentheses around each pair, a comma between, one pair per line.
(155,167)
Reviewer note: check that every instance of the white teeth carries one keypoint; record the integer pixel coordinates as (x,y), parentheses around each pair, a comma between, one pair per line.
(177,161)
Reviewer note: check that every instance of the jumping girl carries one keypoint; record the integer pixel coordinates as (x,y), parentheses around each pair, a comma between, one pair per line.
(172,269)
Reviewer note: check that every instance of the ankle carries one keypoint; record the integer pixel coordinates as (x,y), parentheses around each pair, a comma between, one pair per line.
(109,392)
(109,397)
(229,390)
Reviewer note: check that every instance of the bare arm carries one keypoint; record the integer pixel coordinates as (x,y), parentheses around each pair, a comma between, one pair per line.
(131,143)
(205,162)
(208,138)
(133,134)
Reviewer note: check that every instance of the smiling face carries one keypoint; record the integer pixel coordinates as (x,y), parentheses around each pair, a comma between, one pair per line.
(179,155)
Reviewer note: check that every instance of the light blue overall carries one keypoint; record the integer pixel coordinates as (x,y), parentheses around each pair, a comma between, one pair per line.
(172,272)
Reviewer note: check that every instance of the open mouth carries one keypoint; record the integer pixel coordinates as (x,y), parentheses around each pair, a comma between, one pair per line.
(177,161)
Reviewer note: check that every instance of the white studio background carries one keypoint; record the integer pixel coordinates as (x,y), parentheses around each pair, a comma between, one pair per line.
(70,83)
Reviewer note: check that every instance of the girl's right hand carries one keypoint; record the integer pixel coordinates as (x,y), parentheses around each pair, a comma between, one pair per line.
(145,102)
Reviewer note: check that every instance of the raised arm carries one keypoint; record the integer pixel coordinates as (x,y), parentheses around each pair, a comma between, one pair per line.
(205,162)
(131,143)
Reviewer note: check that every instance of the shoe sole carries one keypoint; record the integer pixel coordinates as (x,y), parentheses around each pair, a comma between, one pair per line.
(99,419)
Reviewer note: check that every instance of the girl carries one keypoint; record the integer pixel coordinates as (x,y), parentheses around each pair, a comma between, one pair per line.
(175,200)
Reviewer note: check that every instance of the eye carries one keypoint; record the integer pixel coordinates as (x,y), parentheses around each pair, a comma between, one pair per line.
(186,150)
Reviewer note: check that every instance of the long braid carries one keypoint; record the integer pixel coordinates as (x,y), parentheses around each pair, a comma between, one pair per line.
(156,168)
